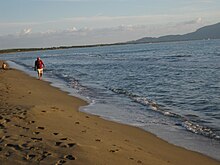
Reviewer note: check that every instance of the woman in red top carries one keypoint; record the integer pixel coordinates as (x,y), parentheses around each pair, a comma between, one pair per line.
(39,65)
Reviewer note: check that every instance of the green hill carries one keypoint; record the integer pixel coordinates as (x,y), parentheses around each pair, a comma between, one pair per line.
(204,33)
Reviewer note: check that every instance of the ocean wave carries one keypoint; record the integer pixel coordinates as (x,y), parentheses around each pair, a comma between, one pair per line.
(182,121)
(179,56)
(201,130)
(144,101)
(76,85)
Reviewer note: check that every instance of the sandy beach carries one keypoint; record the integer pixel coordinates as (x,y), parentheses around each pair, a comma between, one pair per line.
(40,124)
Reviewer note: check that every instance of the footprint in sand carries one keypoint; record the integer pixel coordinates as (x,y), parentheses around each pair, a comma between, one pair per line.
(6,137)
(70,157)
(16,125)
(8,154)
(44,155)
(24,113)
(60,162)
(63,138)
(18,108)
(68,145)
(36,139)
(2,126)
(14,146)
(114,150)
(23,136)
(71,144)
(6,121)
(76,122)
(20,117)
(25,128)
(55,133)
(42,128)
(36,133)
(58,143)
(31,122)
(3,138)
(139,162)
(30,156)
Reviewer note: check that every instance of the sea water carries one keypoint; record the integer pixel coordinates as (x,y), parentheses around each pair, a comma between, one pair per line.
(169,89)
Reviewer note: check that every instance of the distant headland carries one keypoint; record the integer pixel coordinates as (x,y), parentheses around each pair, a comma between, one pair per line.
(204,33)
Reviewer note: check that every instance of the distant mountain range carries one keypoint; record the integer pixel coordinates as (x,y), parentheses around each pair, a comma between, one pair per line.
(204,33)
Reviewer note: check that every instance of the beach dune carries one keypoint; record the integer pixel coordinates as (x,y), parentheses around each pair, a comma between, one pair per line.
(40,124)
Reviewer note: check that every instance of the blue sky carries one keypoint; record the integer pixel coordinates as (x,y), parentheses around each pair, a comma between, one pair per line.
(43,23)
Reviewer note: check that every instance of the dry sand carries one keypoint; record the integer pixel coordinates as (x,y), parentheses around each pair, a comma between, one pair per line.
(40,124)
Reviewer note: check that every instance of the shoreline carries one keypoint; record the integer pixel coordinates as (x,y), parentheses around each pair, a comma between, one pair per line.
(17,50)
(50,129)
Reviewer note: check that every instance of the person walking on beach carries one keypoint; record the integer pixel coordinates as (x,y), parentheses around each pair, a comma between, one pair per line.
(39,65)
(4,66)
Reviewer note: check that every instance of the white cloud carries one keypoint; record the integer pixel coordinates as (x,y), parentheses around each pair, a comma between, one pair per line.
(73,29)
(26,31)
(72,36)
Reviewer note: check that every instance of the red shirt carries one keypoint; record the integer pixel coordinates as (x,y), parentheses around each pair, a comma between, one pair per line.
(39,64)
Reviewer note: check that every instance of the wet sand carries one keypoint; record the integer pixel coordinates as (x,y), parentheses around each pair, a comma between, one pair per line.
(40,124)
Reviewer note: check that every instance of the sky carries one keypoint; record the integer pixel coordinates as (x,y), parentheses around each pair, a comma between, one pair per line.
(48,23)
